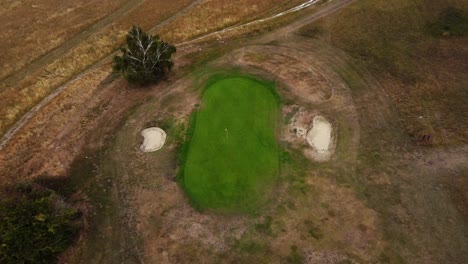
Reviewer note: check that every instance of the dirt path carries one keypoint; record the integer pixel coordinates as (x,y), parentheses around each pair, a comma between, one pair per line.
(68,45)
(331,7)
(410,188)
(59,52)
(76,40)
(257,21)
(177,15)
(327,9)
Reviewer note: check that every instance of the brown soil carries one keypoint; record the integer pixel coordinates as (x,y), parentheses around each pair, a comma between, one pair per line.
(373,202)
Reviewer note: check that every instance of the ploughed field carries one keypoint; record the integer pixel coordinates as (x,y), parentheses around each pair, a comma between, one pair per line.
(232,159)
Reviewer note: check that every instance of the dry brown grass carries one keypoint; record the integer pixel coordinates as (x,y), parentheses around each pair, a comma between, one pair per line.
(31,90)
(413,75)
(214,15)
(29,29)
(66,111)
(424,75)
(18,99)
(345,206)
(207,17)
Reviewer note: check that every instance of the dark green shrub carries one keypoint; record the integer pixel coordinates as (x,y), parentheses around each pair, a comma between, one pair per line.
(35,225)
(145,59)
(452,22)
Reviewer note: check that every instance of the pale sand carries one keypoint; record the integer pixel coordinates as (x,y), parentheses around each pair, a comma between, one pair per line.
(320,135)
(154,139)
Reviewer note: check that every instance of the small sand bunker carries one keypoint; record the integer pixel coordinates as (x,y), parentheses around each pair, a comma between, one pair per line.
(154,139)
(319,136)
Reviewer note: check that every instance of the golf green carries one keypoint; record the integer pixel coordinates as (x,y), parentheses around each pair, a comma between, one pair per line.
(232,158)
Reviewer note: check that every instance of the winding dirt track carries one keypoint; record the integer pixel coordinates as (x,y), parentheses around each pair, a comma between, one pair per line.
(175,16)
(76,40)
(327,9)
(68,45)
(63,49)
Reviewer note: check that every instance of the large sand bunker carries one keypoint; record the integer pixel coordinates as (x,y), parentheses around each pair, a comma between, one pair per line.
(154,139)
(307,128)
(320,138)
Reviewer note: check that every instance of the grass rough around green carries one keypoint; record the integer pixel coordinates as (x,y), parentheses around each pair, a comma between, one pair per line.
(232,158)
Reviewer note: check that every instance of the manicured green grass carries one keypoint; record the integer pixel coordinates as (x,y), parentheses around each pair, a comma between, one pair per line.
(232,158)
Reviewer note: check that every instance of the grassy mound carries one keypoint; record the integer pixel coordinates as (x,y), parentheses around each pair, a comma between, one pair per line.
(232,159)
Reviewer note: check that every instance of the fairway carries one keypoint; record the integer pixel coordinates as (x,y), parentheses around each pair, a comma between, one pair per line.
(232,159)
